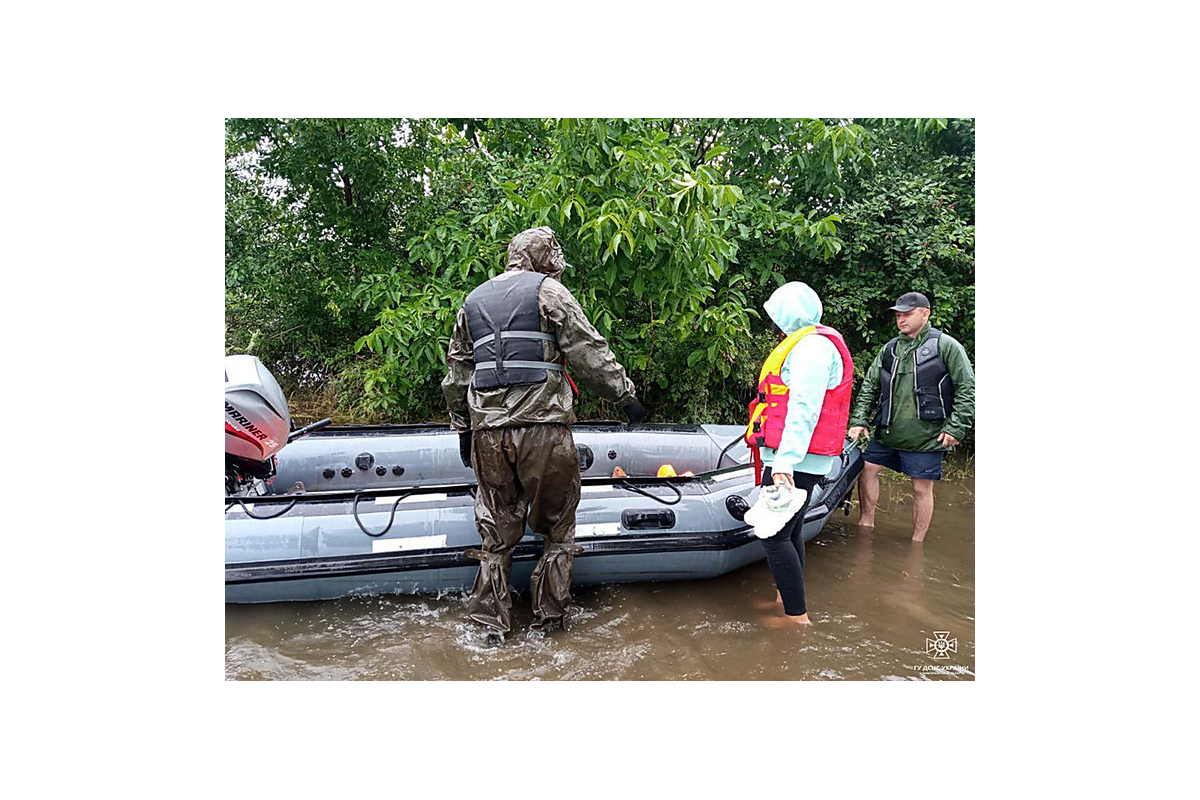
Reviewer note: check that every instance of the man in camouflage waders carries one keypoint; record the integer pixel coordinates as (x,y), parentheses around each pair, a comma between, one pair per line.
(510,399)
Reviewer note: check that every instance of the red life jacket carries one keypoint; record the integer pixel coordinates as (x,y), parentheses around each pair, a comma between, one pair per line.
(768,411)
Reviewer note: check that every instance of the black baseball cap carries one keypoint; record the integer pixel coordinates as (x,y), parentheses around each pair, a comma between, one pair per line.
(909,301)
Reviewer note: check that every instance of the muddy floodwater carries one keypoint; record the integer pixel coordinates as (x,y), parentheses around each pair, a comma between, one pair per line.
(884,607)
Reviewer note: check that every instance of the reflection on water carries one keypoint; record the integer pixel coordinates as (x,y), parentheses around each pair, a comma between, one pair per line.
(876,598)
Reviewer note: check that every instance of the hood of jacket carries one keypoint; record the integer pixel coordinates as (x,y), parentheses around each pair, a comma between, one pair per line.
(536,250)
(793,306)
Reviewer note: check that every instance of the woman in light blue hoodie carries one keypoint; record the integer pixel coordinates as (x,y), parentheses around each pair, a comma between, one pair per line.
(813,367)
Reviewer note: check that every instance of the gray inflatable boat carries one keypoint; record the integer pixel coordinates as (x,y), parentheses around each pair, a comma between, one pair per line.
(390,509)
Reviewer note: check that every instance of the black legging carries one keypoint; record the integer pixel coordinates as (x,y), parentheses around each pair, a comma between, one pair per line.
(785,550)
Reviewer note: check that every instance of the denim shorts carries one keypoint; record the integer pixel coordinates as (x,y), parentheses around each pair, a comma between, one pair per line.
(925,465)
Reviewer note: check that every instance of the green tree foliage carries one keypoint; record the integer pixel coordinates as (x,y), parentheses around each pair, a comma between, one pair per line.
(908,224)
(350,244)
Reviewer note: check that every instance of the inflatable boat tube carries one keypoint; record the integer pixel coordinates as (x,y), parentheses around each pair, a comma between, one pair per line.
(390,509)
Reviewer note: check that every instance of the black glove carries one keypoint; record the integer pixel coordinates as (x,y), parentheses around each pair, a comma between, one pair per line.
(464,448)
(634,410)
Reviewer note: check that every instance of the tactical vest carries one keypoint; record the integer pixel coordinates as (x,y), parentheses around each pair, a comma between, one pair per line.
(933,389)
(506,330)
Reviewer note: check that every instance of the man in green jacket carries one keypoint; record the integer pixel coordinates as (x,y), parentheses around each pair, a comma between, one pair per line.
(919,394)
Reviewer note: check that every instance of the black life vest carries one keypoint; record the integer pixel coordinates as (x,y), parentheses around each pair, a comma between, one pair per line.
(506,330)
(934,389)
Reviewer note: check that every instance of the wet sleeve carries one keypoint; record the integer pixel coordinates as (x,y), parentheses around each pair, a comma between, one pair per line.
(959,366)
(867,394)
(809,371)
(588,357)
(460,367)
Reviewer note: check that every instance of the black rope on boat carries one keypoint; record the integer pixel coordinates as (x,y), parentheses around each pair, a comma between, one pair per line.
(671,486)
(280,513)
(391,519)
(740,438)
(845,458)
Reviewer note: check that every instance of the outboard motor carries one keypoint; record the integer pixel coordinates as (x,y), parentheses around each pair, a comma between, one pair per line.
(257,425)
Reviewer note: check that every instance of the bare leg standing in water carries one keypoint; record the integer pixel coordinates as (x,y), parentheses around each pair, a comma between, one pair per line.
(922,507)
(924,467)
(868,494)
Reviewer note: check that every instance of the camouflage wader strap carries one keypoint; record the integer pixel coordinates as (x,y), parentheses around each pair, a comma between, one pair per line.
(551,547)
(491,558)
(563,547)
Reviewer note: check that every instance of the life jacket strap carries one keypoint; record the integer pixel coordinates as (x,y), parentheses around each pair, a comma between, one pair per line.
(522,365)
(549,337)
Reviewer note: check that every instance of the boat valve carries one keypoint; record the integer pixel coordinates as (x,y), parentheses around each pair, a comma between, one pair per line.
(328,473)
(737,506)
(347,472)
(381,471)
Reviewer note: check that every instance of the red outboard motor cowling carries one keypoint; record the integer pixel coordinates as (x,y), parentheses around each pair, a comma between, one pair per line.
(257,422)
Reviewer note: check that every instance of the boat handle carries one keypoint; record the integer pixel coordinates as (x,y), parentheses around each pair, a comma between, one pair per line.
(673,487)
(391,519)
(648,520)
(307,429)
